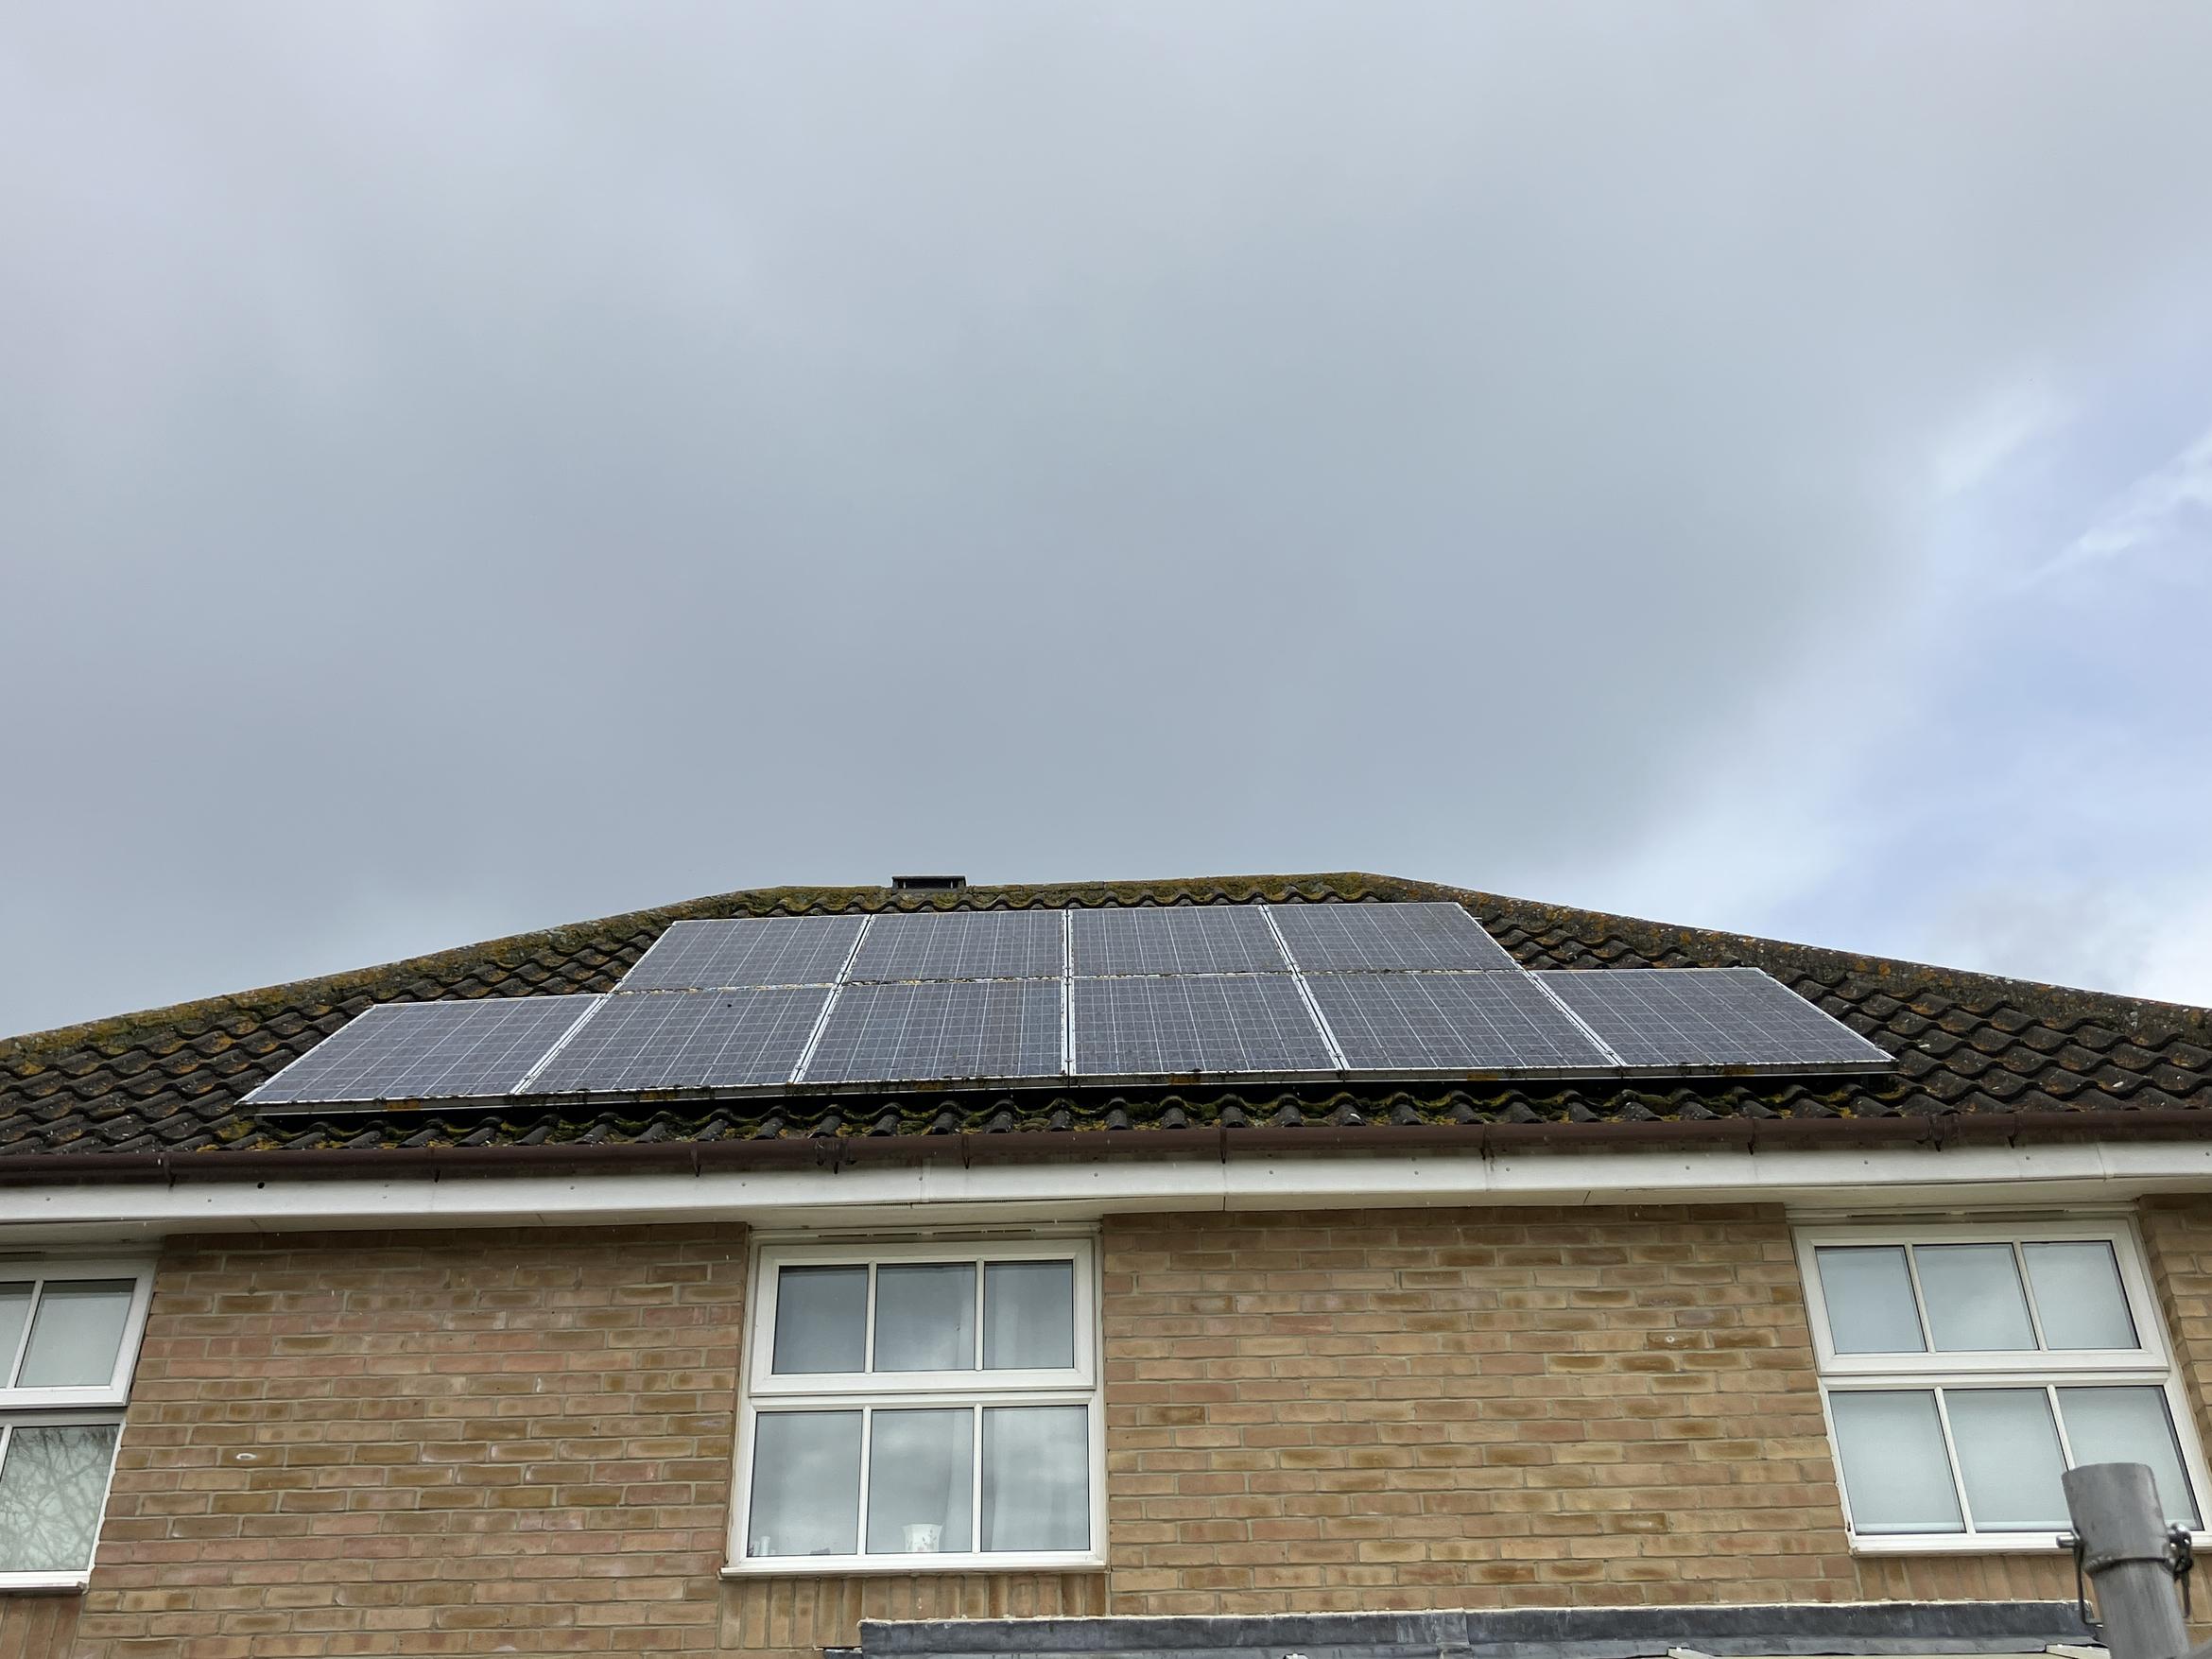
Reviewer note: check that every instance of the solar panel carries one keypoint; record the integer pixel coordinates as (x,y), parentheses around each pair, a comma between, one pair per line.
(938,1032)
(750,950)
(677,1040)
(1328,938)
(962,944)
(1450,1023)
(1172,1026)
(1709,1017)
(1181,939)
(428,1051)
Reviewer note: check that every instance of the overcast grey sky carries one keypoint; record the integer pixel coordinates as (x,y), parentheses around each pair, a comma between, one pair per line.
(469,467)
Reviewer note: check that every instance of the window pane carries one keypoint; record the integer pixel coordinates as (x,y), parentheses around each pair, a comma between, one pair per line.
(76,1333)
(1870,1299)
(919,1469)
(1028,1316)
(2010,1458)
(1974,1298)
(1895,1469)
(51,1488)
(15,1308)
(822,1321)
(925,1317)
(2130,1426)
(1036,1478)
(805,1483)
(2077,1296)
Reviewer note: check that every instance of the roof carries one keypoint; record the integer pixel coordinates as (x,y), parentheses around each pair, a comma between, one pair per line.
(1973,1050)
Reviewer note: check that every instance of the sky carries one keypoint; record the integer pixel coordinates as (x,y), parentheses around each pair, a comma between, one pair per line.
(467,468)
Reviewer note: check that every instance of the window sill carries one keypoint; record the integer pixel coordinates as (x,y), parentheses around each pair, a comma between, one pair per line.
(1979,1544)
(43,1583)
(808,1566)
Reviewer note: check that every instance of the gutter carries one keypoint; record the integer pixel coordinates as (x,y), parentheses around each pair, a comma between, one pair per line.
(832,1153)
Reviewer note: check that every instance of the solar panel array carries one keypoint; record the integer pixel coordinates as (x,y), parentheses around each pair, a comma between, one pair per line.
(1133,994)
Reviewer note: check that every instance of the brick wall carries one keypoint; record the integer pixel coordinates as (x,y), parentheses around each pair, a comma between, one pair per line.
(520,1443)
(411,1444)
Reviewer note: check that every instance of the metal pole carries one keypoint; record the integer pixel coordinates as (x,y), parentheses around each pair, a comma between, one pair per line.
(2116,1514)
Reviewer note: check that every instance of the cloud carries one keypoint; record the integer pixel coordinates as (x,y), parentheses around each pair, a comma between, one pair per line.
(463,469)
(2168,512)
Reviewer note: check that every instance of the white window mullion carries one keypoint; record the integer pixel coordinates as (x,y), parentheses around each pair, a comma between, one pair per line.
(975,1480)
(867,1456)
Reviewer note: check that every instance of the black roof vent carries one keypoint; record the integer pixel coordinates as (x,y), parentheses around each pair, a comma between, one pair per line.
(929,883)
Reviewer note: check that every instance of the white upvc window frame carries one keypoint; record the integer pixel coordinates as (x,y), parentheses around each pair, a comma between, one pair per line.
(2151,1364)
(763,1390)
(91,1405)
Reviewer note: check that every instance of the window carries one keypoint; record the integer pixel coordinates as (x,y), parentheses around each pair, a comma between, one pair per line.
(68,1336)
(915,1401)
(1964,1369)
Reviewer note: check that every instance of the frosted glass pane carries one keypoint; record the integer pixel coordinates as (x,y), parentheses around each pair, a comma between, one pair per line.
(2009,1458)
(2077,1296)
(2130,1426)
(925,1317)
(805,1483)
(920,1471)
(14,1309)
(1869,1295)
(1975,1302)
(1028,1316)
(1895,1469)
(76,1333)
(822,1321)
(1036,1478)
(51,1488)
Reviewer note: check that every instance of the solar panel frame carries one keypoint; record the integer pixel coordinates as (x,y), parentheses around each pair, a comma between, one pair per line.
(902,946)
(1710,1019)
(737,952)
(1182,1024)
(1464,1023)
(1377,938)
(1175,939)
(1000,1031)
(477,1048)
(746,1038)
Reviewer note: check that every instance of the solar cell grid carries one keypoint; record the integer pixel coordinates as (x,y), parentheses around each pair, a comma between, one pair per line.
(940,1031)
(746,950)
(962,944)
(1450,1023)
(1172,1026)
(1708,1017)
(697,1039)
(1352,938)
(428,1051)
(1180,939)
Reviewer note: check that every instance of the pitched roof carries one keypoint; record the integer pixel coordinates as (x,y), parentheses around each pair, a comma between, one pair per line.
(1972,1048)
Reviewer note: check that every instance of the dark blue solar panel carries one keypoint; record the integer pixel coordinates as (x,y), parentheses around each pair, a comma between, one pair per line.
(941,1032)
(1173,1026)
(1450,1023)
(1180,939)
(962,944)
(752,950)
(686,1040)
(1326,939)
(1700,1017)
(428,1051)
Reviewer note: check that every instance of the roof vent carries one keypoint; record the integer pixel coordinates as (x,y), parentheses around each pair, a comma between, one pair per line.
(929,883)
